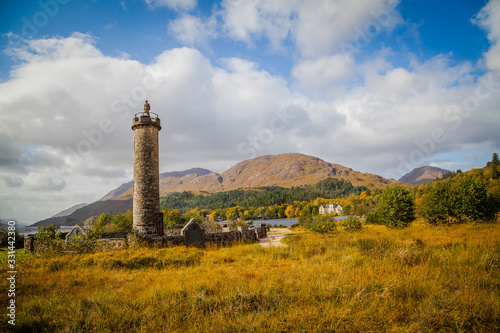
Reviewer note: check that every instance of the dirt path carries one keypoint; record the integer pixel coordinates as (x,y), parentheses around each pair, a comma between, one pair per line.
(274,237)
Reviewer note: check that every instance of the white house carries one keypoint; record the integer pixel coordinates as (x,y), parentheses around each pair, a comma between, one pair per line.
(330,208)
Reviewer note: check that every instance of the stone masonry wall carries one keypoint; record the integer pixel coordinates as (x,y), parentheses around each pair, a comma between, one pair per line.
(146,208)
(172,237)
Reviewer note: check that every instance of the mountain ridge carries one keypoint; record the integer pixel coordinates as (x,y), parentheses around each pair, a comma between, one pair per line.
(284,170)
(176,174)
(70,210)
(423,175)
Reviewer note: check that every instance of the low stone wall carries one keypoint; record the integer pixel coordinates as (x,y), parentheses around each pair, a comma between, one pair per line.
(194,235)
(191,235)
(111,244)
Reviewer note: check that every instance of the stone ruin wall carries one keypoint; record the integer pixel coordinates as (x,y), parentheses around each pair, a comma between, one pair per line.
(174,237)
(171,238)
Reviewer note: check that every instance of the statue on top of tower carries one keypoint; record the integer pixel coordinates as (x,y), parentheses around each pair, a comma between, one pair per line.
(147,107)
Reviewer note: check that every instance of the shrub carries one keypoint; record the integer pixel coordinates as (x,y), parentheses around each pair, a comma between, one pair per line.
(352,224)
(4,239)
(323,224)
(372,218)
(48,240)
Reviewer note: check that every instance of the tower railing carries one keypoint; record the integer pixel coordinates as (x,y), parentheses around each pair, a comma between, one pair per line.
(155,117)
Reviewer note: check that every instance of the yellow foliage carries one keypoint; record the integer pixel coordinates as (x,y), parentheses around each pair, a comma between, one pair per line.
(418,279)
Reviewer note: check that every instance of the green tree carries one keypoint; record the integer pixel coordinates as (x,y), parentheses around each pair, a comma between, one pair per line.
(435,206)
(456,200)
(48,239)
(5,239)
(396,208)
(102,221)
(123,221)
(472,199)
(495,166)
(173,219)
(305,217)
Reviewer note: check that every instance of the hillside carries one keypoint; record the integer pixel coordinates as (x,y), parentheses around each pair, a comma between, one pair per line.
(423,175)
(172,175)
(284,170)
(70,210)
(111,206)
(263,196)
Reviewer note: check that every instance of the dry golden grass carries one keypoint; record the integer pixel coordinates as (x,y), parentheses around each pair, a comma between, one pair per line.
(413,280)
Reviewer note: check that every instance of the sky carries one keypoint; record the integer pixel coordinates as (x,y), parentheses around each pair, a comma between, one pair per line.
(380,86)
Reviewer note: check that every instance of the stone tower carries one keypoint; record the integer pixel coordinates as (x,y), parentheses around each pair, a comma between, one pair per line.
(148,218)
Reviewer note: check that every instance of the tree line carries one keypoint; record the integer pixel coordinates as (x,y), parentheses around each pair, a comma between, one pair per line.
(457,197)
(262,196)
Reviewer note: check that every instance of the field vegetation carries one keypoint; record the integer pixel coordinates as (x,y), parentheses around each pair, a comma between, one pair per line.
(414,279)
(425,259)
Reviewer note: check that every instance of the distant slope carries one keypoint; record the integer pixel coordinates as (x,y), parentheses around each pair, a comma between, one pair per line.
(70,210)
(4,223)
(284,170)
(292,169)
(112,206)
(110,203)
(263,196)
(174,174)
(423,175)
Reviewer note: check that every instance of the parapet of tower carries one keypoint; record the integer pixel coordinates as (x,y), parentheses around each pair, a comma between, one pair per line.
(148,218)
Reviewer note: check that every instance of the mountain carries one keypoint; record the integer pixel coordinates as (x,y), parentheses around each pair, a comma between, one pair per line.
(70,210)
(110,203)
(4,223)
(423,175)
(284,170)
(175,174)
(111,206)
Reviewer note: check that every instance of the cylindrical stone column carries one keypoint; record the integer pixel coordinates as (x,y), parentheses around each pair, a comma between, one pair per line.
(148,219)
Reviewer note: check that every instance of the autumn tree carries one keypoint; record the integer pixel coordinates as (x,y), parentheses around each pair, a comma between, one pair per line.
(173,219)
(297,212)
(290,211)
(234,212)
(396,208)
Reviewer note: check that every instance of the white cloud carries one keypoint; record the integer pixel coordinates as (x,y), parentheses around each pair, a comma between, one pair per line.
(12,181)
(321,76)
(192,30)
(65,112)
(489,19)
(244,20)
(65,115)
(39,182)
(317,28)
(172,4)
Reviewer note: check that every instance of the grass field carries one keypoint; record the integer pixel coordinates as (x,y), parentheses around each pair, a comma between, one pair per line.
(417,279)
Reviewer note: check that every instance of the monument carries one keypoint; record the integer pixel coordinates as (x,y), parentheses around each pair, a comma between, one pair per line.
(148,218)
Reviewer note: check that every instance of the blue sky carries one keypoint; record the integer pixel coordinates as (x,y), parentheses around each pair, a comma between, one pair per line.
(135,28)
(381,86)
